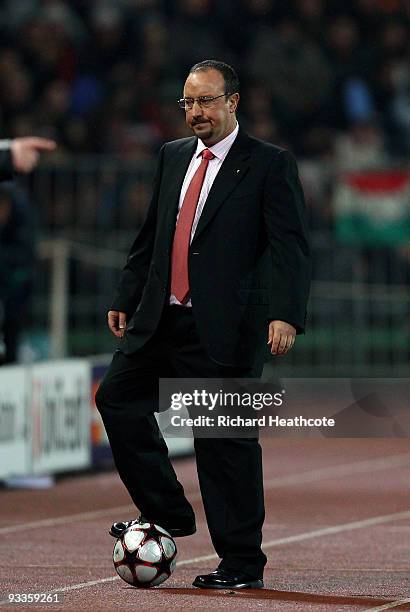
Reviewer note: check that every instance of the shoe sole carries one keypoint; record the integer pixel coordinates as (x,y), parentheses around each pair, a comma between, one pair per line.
(255,584)
(176,533)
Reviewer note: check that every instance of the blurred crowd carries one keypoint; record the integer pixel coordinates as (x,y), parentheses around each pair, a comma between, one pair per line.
(329,79)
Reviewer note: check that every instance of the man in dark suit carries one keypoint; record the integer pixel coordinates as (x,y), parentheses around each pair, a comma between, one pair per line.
(22,154)
(220,268)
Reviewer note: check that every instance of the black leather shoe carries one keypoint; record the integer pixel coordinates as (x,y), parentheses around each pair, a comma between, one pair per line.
(227,579)
(117,529)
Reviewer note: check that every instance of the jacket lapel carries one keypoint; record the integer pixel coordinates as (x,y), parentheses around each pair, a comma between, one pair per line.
(232,171)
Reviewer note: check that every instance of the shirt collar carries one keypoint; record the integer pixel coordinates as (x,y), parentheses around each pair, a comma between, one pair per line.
(221,148)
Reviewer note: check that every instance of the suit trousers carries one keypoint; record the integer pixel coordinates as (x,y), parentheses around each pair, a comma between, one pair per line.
(229,469)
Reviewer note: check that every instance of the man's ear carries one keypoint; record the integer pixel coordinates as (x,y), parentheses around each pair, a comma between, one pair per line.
(233,102)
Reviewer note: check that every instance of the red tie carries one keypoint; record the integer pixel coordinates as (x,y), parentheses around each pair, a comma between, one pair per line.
(182,237)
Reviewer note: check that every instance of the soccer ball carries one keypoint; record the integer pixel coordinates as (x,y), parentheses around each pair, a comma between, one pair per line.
(145,555)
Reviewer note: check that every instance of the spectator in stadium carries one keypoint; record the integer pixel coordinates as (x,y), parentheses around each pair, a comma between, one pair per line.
(22,154)
(287,63)
(248,281)
(16,239)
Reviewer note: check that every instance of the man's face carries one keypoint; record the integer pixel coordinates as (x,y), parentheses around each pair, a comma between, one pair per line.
(212,124)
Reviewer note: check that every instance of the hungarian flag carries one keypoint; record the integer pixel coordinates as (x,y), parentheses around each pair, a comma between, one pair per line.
(373,208)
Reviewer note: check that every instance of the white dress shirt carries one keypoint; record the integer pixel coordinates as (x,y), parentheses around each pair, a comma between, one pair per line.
(220,150)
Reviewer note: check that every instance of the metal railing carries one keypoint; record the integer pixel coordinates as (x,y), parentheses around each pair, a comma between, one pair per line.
(88,214)
(354,328)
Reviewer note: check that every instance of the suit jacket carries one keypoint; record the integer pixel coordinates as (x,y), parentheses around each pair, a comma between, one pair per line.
(249,260)
(6,168)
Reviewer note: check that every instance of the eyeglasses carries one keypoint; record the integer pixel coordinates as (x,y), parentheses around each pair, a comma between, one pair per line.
(203,101)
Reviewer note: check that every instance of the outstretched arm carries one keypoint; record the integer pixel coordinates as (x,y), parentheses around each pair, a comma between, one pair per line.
(25,152)
(22,154)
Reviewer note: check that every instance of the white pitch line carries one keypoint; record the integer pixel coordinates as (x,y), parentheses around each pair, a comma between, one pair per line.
(74,518)
(337,471)
(308,535)
(68,518)
(300,537)
(389,606)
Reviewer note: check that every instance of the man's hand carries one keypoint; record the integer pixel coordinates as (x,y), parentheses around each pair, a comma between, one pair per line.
(117,322)
(281,337)
(25,152)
